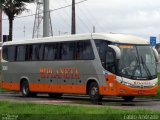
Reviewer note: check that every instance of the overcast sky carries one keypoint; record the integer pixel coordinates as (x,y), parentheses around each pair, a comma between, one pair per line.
(136,17)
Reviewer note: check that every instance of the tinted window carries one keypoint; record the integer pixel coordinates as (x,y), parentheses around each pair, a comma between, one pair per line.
(67,51)
(84,51)
(21,53)
(35,52)
(81,50)
(5,52)
(51,51)
(41,51)
(110,61)
(106,54)
(28,55)
(102,47)
(11,53)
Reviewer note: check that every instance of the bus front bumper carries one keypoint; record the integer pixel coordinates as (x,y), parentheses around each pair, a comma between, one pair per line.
(123,90)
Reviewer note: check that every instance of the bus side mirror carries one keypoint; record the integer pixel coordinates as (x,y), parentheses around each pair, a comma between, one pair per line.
(117,51)
(156,54)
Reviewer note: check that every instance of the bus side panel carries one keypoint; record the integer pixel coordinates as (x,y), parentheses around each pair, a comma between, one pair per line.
(84,69)
(8,81)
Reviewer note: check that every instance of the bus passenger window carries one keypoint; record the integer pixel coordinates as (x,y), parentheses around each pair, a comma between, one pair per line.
(21,51)
(41,51)
(67,51)
(28,56)
(35,52)
(5,53)
(50,51)
(84,50)
(11,53)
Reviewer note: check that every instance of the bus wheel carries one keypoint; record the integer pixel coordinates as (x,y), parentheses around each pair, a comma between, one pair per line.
(58,95)
(33,94)
(94,92)
(55,95)
(128,98)
(25,89)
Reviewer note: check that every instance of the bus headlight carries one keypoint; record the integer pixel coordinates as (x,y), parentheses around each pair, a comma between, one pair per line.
(154,84)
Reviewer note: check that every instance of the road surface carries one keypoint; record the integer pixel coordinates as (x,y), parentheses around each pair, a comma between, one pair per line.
(82,100)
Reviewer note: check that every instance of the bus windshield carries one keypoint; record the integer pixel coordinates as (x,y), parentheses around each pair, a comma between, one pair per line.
(137,62)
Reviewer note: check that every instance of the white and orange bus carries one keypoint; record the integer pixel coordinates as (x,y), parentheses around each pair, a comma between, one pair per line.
(92,64)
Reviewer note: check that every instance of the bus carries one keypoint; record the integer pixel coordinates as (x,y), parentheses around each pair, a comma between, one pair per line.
(95,64)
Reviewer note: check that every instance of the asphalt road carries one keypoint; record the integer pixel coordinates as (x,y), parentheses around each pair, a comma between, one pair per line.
(82,100)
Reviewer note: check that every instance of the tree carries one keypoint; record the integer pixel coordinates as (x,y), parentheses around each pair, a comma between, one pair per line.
(12,8)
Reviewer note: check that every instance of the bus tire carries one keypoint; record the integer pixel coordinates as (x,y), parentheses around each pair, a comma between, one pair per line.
(58,95)
(94,92)
(128,98)
(33,94)
(55,95)
(25,89)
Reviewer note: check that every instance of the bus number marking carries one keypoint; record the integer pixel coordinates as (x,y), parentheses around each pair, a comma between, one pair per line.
(4,68)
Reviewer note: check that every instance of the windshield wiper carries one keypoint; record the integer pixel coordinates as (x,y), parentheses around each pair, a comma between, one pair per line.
(146,68)
(137,66)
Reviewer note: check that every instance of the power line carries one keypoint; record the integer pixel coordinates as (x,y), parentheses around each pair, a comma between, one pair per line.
(86,16)
(50,10)
(69,16)
(62,16)
(100,26)
(84,24)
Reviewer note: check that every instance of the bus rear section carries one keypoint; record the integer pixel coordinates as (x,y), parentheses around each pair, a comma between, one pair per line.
(84,65)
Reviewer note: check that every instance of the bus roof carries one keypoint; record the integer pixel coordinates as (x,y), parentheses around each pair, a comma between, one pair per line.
(115,38)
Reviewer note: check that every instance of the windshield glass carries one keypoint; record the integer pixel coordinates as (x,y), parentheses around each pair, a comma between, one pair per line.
(137,62)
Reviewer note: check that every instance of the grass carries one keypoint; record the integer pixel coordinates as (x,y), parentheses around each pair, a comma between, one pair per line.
(1,90)
(63,112)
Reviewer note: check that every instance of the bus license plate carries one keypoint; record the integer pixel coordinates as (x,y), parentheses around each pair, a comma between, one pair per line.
(141,92)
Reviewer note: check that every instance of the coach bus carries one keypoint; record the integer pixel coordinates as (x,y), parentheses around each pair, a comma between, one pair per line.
(97,64)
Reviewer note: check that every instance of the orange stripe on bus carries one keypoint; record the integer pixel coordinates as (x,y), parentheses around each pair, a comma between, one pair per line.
(118,89)
(11,86)
(72,89)
(45,88)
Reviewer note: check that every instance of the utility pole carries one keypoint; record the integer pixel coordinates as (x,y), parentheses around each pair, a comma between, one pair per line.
(46,21)
(73,24)
(40,30)
(37,32)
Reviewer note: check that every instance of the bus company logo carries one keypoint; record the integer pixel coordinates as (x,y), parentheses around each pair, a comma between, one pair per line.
(66,73)
(142,83)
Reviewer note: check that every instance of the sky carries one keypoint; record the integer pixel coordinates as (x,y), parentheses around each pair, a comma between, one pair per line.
(136,17)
